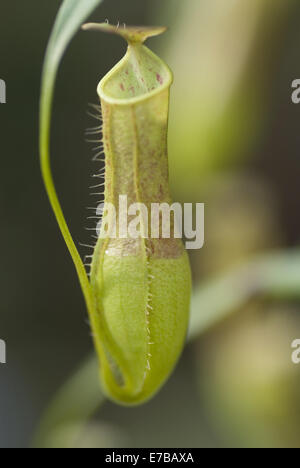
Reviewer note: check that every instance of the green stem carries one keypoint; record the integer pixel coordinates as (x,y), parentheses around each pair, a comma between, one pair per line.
(45,122)
(71,15)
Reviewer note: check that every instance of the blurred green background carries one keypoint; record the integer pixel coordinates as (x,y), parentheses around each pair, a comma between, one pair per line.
(234,145)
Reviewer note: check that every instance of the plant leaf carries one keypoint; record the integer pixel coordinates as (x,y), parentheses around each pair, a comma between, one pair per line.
(74,403)
(71,15)
(274,275)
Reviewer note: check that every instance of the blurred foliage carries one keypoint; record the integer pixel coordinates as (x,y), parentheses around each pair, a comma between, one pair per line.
(234,144)
(248,382)
(245,224)
(222,55)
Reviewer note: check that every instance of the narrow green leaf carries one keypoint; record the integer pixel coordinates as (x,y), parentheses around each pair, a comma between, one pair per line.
(69,19)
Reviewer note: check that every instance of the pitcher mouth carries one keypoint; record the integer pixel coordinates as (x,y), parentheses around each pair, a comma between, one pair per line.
(138,76)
